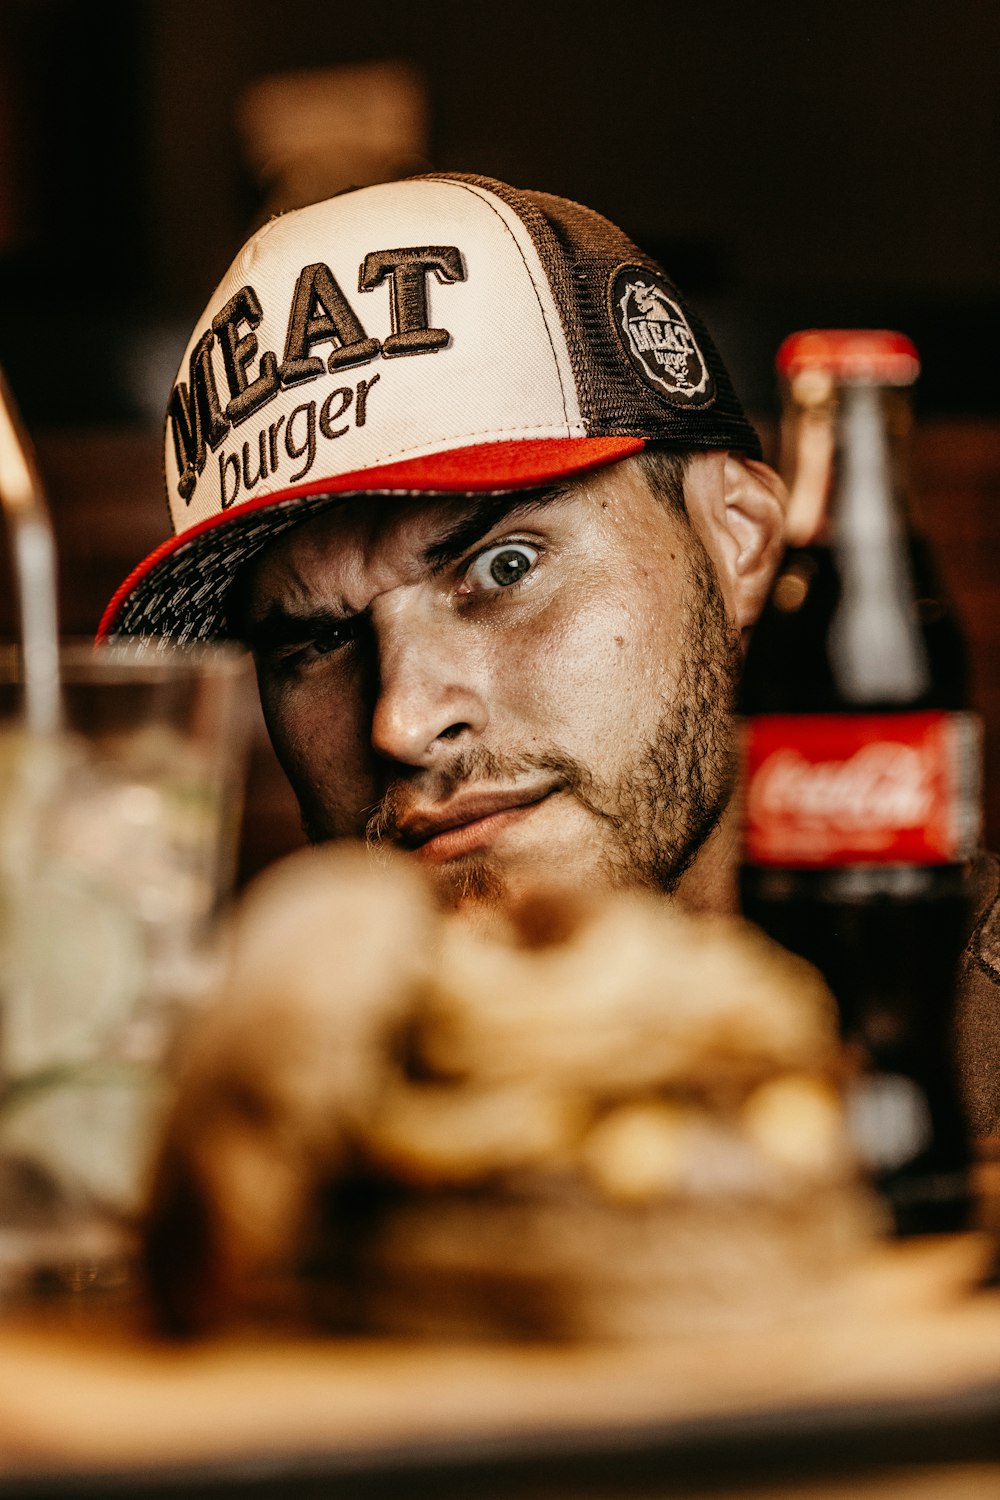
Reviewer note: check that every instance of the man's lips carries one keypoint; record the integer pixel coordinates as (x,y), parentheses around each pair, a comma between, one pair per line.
(468,823)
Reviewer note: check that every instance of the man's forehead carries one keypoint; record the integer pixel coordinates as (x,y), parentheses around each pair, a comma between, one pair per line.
(429,528)
(414,534)
(368,541)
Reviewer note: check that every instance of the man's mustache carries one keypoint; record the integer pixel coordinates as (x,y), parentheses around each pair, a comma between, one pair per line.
(479,768)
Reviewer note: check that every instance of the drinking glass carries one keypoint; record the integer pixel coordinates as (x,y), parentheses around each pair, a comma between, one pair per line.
(118,839)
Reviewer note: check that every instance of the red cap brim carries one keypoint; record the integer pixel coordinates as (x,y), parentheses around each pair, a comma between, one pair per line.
(486,468)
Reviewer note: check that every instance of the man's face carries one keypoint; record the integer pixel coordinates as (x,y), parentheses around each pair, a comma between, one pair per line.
(515,691)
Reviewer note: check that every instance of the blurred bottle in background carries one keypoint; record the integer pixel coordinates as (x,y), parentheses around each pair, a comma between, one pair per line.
(862,763)
(310,133)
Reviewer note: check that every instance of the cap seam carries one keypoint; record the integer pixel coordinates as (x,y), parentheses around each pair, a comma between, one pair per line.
(481,194)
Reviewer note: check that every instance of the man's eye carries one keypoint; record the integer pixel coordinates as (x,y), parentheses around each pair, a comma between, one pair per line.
(322,643)
(500,567)
(331,640)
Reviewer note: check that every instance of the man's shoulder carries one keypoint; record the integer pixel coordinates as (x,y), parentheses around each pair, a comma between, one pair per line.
(978,1003)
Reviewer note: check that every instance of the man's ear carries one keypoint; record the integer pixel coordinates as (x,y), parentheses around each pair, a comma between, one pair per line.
(737,508)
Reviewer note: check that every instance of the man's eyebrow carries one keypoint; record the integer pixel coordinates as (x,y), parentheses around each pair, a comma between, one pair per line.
(472,527)
(279,626)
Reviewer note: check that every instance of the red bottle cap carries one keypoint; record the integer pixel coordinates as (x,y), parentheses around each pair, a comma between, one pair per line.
(863,354)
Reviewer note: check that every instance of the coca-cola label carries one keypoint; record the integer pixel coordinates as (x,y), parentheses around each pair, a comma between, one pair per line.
(836,789)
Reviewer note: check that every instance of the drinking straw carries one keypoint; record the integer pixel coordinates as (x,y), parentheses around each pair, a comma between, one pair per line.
(33,549)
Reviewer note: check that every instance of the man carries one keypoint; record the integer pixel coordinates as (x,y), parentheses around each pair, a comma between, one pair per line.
(466,471)
(469,476)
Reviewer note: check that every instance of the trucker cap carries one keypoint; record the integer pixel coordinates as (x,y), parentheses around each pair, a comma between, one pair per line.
(444,334)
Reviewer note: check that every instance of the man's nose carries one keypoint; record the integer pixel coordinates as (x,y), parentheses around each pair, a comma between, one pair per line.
(431,690)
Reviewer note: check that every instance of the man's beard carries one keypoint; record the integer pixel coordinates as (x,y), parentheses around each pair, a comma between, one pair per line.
(658,812)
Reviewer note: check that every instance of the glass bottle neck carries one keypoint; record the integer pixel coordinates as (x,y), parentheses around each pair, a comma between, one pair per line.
(818,427)
(876,649)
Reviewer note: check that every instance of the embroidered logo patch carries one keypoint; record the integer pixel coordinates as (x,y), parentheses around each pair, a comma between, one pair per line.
(658,339)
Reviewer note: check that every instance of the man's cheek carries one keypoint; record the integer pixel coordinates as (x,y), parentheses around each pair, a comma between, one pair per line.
(328,791)
(278,718)
(300,743)
(594,662)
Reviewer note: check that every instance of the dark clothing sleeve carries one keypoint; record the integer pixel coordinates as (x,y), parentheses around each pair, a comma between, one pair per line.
(978,1008)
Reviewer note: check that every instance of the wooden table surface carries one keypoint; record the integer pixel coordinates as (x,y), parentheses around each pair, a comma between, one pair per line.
(907,1347)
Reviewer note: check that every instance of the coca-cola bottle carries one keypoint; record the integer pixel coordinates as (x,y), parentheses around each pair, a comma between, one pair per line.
(861,777)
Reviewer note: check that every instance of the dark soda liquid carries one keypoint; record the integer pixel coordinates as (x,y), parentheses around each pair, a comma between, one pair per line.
(889,956)
(887,938)
(788,668)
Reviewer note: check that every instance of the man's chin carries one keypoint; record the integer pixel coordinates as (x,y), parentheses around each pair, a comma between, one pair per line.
(491,880)
(470,882)
(475,880)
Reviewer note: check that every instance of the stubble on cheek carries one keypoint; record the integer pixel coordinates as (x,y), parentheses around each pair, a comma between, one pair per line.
(665,805)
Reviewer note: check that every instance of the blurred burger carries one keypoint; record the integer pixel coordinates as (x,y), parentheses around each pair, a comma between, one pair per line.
(580,1120)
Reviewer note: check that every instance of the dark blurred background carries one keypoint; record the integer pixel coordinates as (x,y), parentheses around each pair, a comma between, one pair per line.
(792,164)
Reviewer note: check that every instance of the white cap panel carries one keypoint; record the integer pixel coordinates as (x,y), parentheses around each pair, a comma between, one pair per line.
(503,371)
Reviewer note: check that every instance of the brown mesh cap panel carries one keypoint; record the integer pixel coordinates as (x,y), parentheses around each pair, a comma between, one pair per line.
(584,255)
